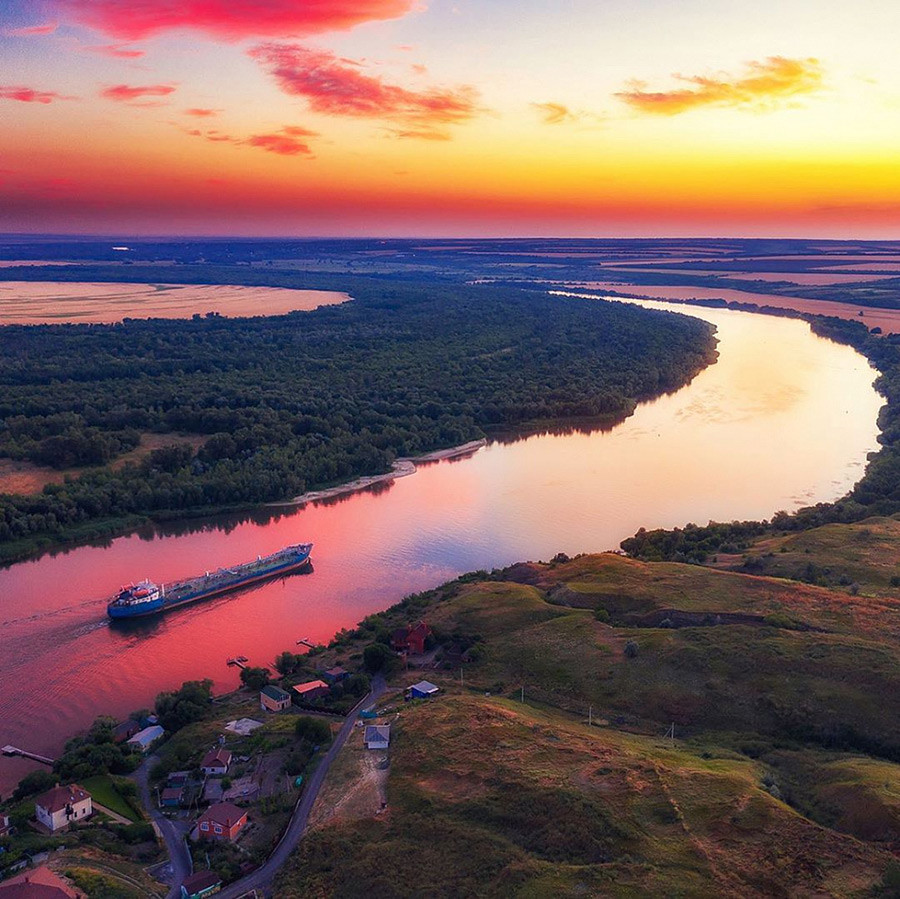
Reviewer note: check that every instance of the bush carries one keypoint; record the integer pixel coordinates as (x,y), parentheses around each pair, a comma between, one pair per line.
(602,614)
(631,649)
(186,705)
(314,730)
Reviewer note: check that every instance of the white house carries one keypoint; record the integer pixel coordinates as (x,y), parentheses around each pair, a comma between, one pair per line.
(145,738)
(215,763)
(59,807)
(377,736)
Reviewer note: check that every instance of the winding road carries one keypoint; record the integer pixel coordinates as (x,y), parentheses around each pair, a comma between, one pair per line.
(261,879)
(173,835)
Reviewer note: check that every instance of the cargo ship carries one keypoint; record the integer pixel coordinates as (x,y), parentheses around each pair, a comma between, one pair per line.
(148,598)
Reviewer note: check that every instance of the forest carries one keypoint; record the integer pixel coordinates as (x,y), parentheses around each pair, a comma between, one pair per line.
(296,402)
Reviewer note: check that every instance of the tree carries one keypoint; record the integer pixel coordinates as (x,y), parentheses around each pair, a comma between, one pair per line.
(313,730)
(254,678)
(184,706)
(32,783)
(377,657)
(287,662)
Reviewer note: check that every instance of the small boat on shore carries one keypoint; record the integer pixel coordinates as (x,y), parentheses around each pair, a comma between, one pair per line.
(147,598)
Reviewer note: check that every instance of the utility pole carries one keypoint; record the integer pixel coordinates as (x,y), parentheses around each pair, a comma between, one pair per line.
(590,716)
(670,733)
(522,695)
(461,679)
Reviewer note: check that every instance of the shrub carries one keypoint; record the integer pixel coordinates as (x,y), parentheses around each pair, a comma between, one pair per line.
(631,649)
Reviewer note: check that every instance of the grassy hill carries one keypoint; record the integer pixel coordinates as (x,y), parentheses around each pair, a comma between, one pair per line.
(782,778)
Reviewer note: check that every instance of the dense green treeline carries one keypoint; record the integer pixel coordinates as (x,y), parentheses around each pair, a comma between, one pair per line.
(293,402)
(877,493)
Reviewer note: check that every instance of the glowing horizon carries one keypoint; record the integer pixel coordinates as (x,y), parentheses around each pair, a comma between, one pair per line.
(346,118)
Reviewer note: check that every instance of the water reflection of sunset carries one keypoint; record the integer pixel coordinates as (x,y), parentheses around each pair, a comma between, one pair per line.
(749,436)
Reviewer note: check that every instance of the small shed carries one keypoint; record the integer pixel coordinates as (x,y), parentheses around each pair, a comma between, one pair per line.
(144,739)
(125,730)
(203,883)
(334,675)
(274,699)
(377,736)
(171,797)
(423,690)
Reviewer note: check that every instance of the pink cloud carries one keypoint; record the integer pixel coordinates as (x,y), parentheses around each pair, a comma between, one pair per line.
(116,51)
(229,20)
(291,140)
(29,94)
(763,84)
(201,113)
(126,93)
(336,86)
(30,30)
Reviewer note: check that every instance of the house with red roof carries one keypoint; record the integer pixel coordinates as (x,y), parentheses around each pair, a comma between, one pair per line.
(314,689)
(411,639)
(215,763)
(40,883)
(222,821)
(62,806)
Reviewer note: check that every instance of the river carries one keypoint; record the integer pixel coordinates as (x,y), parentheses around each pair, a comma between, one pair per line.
(783,419)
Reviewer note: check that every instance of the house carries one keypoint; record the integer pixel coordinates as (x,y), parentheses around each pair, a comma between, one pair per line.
(203,883)
(144,739)
(377,736)
(222,821)
(422,690)
(59,807)
(171,797)
(125,731)
(311,690)
(178,778)
(274,699)
(4,826)
(411,639)
(215,763)
(40,883)
(334,675)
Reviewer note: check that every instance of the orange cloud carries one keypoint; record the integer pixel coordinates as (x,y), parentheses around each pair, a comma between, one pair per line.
(29,94)
(126,93)
(554,113)
(229,20)
(337,86)
(202,113)
(764,83)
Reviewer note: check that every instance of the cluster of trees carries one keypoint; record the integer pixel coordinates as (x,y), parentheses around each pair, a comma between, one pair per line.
(96,752)
(176,709)
(877,493)
(296,402)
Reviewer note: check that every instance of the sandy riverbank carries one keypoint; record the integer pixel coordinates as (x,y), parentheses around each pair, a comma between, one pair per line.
(400,469)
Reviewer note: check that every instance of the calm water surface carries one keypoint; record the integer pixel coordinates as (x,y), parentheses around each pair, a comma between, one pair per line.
(783,419)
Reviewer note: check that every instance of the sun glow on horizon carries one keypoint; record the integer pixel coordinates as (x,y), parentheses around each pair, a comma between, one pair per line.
(385,117)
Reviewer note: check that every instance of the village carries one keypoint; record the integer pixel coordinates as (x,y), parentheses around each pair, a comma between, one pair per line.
(225,775)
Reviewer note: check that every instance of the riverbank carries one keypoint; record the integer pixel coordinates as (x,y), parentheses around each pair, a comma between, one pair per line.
(401,468)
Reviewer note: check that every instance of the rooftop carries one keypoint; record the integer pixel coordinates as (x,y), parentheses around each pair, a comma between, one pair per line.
(424,686)
(311,685)
(58,798)
(216,757)
(377,733)
(224,813)
(276,693)
(202,880)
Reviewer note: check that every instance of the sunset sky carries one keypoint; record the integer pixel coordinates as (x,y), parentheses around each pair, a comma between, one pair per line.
(451,117)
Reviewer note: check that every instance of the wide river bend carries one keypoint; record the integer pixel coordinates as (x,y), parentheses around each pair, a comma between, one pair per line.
(783,419)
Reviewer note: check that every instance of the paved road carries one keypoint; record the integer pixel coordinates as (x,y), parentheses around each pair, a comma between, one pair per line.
(261,879)
(173,835)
